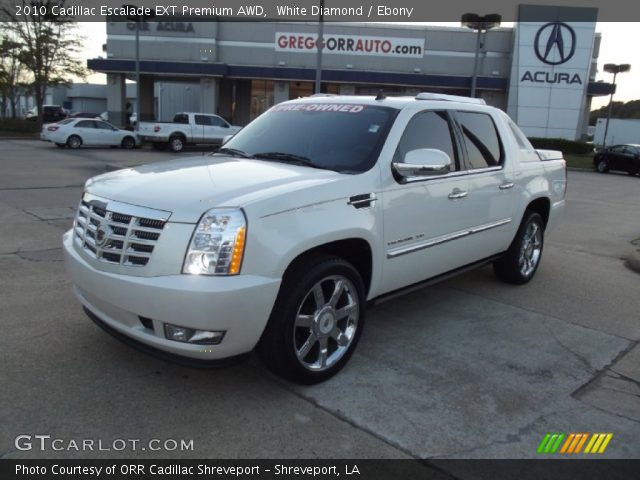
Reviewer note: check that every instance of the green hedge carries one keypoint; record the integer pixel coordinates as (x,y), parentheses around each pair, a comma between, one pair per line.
(18,126)
(565,146)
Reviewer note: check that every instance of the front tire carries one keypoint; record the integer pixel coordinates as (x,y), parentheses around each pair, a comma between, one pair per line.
(316,322)
(74,142)
(128,143)
(519,264)
(602,166)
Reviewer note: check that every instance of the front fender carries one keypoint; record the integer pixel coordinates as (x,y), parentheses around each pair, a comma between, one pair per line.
(274,241)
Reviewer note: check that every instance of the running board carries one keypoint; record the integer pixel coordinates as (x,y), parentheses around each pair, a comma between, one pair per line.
(432,281)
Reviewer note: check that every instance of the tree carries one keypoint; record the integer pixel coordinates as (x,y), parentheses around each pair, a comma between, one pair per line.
(12,75)
(629,109)
(48,45)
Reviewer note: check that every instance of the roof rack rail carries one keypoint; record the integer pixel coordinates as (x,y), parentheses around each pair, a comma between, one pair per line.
(449,98)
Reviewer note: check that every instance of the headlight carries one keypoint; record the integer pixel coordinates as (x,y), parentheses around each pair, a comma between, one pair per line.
(217,245)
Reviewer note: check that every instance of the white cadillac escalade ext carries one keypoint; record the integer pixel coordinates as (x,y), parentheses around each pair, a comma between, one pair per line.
(318,207)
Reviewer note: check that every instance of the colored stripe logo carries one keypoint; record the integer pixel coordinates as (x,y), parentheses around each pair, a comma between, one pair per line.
(573,443)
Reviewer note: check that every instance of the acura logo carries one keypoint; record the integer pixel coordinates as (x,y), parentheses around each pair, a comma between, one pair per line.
(555,43)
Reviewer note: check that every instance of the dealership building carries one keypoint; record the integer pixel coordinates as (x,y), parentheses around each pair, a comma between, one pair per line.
(541,71)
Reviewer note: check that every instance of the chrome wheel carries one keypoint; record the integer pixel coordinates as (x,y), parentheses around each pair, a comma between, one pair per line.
(326,323)
(531,249)
(176,144)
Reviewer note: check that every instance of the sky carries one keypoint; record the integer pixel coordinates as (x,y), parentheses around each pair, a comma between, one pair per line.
(619,45)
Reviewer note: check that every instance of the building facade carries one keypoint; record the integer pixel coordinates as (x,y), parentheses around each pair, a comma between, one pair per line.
(541,72)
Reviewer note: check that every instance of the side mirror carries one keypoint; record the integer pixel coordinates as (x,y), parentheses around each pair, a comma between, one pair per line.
(423,162)
(226,138)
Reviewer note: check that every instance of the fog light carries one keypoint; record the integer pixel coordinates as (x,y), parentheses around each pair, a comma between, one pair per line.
(191,335)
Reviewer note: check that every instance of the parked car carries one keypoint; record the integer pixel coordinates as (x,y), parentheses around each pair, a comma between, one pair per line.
(619,157)
(316,209)
(187,128)
(50,113)
(76,132)
(84,115)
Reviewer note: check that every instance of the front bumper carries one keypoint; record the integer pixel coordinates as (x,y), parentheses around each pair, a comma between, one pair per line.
(239,305)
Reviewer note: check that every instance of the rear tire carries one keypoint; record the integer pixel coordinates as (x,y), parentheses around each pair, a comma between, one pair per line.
(74,141)
(176,144)
(128,143)
(519,264)
(316,321)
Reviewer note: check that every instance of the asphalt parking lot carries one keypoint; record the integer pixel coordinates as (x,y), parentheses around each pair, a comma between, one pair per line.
(471,368)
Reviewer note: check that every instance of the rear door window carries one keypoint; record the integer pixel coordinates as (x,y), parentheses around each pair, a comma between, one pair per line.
(86,124)
(481,140)
(181,118)
(203,120)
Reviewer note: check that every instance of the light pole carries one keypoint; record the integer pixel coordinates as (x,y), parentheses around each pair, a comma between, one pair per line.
(479,23)
(139,19)
(319,44)
(615,69)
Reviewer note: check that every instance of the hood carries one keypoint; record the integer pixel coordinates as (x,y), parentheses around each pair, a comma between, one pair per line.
(188,187)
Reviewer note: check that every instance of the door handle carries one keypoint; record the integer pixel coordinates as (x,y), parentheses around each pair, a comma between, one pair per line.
(457,193)
(506,186)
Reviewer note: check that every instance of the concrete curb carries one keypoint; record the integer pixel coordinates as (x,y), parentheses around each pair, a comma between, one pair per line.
(19,138)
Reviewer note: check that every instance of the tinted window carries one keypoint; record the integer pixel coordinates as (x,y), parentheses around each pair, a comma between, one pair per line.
(617,149)
(481,139)
(217,122)
(181,118)
(427,130)
(203,120)
(64,122)
(342,137)
(86,124)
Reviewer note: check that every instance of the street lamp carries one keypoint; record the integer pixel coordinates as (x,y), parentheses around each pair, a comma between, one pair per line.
(615,69)
(319,44)
(139,19)
(479,23)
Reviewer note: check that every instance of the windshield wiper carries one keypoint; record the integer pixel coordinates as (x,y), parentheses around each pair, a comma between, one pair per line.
(234,152)
(287,157)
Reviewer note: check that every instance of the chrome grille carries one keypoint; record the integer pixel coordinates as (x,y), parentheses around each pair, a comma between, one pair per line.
(107,232)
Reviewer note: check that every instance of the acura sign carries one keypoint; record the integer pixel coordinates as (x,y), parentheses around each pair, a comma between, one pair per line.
(550,71)
(555,43)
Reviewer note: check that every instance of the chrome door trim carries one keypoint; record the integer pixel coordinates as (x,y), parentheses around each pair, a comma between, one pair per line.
(432,242)
(459,173)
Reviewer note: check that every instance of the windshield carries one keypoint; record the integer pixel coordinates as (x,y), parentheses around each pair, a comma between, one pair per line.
(342,137)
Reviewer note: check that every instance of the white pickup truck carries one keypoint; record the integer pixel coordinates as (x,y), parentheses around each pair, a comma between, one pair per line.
(187,128)
(315,210)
